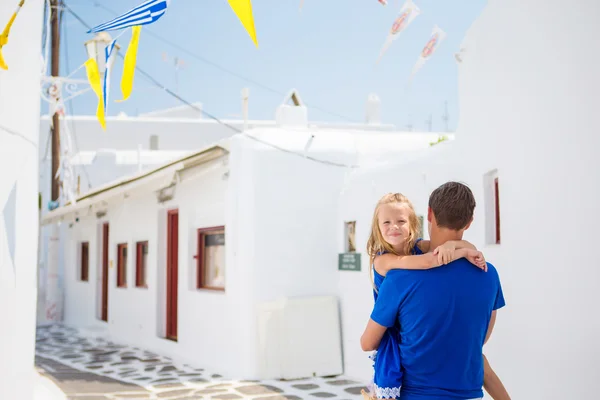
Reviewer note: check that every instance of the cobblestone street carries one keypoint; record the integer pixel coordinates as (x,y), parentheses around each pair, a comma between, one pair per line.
(88,368)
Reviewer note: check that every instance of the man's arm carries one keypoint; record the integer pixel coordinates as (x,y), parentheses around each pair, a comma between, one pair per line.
(492,383)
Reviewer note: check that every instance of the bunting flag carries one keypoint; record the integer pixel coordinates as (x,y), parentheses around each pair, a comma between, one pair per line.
(6,31)
(129,63)
(108,53)
(93,75)
(408,13)
(146,13)
(243,10)
(437,35)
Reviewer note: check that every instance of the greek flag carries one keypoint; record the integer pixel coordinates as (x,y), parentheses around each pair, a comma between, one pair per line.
(146,13)
(108,52)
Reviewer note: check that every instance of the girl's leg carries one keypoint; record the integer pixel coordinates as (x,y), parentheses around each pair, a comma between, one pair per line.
(492,384)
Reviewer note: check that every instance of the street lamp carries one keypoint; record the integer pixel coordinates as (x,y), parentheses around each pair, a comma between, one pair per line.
(57,90)
(96,49)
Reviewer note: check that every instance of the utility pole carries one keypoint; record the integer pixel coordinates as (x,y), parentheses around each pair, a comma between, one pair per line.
(55,11)
(446,116)
(409,125)
(429,123)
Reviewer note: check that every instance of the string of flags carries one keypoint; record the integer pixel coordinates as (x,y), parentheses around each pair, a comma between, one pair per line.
(407,15)
(151,11)
(437,36)
(144,14)
(5,33)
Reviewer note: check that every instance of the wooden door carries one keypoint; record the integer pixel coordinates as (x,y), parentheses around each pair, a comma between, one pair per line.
(105,272)
(172,272)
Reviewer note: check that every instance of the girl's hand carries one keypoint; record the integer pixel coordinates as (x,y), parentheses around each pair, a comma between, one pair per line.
(476,258)
(445,252)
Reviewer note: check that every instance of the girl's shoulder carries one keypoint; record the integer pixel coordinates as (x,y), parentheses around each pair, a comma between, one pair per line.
(421,246)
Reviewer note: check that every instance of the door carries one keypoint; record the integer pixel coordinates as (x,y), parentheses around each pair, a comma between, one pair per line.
(172,272)
(105,272)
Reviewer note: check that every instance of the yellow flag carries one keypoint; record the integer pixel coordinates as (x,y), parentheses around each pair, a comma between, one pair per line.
(2,62)
(129,63)
(6,31)
(243,10)
(93,75)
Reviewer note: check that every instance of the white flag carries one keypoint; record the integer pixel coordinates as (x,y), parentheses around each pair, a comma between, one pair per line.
(437,35)
(109,56)
(407,14)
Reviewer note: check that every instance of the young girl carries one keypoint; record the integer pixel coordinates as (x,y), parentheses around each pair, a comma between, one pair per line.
(394,244)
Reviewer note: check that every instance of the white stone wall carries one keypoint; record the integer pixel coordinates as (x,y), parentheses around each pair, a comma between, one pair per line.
(19,113)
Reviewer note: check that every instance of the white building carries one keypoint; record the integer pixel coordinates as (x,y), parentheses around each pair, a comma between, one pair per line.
(133,144)
(19,127)
(227,255)
(529,93)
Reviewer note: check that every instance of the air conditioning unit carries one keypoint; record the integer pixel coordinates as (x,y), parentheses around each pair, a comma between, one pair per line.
(299,338)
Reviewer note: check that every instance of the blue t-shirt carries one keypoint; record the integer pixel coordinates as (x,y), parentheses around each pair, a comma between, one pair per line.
(443,315)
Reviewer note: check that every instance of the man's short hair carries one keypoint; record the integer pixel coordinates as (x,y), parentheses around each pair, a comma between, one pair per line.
(452,205)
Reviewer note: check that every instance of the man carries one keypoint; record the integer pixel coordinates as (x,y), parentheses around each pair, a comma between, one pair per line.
(445,314)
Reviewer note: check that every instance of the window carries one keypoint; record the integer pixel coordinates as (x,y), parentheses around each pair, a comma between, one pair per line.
(492,207)
(122,265)
(84,273)
(210,257)
(350,236)
(141,261)
(497,209)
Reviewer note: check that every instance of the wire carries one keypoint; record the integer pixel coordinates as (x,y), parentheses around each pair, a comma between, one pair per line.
(216,119)
(222,68)
(70,108)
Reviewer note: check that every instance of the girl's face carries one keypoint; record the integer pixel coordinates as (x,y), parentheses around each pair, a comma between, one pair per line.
(394,224)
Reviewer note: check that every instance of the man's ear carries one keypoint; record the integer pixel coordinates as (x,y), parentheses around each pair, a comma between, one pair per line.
(429,214)
(469,224)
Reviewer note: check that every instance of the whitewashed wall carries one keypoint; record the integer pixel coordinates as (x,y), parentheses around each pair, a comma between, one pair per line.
(531,95)
(283,227)
(528,99)
(19,112)
(204,327)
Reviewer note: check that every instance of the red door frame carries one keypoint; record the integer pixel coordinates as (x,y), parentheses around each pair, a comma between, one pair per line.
(104,300)
(172,272)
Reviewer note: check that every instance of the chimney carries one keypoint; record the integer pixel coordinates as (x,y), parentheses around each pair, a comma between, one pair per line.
(373,110)
(292,112)
(245,97)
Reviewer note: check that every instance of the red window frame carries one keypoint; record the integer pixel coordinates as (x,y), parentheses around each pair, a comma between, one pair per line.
(497,209)
(122,265)
(84,268)
(200,251)
(141,267)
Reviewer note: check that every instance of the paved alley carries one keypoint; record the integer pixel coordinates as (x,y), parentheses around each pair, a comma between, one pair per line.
(90,368)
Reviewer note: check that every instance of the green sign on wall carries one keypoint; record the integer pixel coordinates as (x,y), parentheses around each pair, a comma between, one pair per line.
(349,262)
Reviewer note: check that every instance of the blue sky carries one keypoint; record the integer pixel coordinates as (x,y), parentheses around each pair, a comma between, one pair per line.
(328,52)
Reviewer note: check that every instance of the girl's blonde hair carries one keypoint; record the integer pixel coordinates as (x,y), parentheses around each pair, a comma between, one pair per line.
(377,244)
